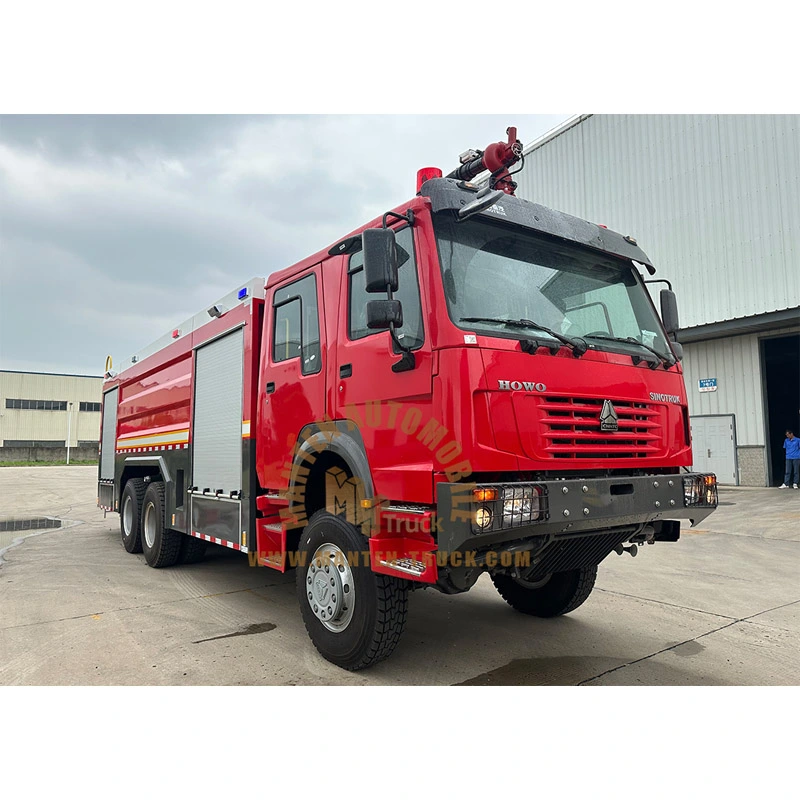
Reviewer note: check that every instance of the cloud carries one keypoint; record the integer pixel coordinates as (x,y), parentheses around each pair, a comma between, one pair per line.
(115,228)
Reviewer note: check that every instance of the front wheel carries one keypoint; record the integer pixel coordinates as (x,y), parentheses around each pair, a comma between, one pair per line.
(353,615)
(555,594)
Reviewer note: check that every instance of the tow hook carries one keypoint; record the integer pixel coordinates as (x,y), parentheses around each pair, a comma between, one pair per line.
(633,549)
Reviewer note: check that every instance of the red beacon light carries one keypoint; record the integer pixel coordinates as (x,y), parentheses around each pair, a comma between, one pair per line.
(176,333)
(427,174)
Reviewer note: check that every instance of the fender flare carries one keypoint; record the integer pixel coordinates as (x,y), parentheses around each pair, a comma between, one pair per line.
(341,437)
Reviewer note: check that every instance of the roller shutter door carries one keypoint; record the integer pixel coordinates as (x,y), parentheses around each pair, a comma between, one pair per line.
(217,429)
(108,440)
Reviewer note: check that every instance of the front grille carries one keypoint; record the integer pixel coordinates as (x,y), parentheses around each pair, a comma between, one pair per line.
(571,429)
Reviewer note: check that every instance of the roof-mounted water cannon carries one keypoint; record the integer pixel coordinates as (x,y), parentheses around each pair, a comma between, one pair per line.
(497,158)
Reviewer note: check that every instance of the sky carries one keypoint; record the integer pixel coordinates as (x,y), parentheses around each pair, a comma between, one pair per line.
(114,229)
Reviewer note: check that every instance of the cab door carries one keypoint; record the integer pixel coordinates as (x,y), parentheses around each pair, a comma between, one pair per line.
(292,375)
(388,407)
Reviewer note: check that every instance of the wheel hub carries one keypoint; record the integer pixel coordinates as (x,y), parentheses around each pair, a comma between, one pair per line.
(127,516)
(531,584)
(330,589)
(149,525)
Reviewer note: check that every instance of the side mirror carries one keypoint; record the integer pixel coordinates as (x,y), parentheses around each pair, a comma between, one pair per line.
(678,350)
(381,314)
(380,260)
(669,312)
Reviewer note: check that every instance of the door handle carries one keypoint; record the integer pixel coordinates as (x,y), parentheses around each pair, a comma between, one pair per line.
(346,370)
(709,453)
(270,387)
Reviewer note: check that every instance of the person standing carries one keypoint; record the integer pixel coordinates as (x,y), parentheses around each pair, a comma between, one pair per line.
(792,447)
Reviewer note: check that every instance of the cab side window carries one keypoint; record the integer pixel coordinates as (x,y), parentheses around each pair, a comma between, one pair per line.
(411,333)
(295,332)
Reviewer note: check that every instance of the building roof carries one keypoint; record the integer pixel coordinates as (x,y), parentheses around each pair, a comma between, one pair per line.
(53,374)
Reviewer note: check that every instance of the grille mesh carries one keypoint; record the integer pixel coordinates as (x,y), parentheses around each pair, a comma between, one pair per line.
(571,429)
(578,552)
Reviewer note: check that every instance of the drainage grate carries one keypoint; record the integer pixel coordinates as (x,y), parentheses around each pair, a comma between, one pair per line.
(34,524)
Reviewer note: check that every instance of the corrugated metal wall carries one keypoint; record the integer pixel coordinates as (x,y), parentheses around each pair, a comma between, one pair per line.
(736,364)
(713,200)
(27,424)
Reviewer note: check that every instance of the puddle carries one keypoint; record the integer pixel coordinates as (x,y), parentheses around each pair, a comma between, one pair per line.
(552,671)
(692,648)
(13,531)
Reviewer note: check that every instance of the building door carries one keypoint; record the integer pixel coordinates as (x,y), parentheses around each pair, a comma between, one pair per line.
(780,358)
(714,447)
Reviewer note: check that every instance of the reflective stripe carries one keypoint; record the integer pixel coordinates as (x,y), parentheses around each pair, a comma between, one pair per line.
(214,540)
(160,439)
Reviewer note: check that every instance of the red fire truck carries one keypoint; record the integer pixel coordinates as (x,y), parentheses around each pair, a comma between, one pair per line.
(471,383)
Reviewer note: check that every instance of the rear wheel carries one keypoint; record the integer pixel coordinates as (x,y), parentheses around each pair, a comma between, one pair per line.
(354,616)
(130,514)
(555,594)
(161,546)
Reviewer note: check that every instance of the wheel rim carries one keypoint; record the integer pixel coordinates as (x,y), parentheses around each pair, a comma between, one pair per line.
(149,526)
(127,516)
(533,584)
(330,589)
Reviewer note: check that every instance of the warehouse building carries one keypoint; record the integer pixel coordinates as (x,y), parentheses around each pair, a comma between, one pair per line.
(714,200)
(41,412)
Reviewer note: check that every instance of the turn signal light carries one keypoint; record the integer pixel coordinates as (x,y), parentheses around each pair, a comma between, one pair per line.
(484,495)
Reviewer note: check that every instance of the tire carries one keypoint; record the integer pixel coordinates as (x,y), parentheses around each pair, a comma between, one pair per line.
(561,593)
(362,624)
(192,550)
(130,514)
(160,545)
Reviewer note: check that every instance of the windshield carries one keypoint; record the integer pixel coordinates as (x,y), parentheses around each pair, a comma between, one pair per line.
(495,273)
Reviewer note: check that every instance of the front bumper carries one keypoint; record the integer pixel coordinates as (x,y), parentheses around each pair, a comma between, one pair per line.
(569,506)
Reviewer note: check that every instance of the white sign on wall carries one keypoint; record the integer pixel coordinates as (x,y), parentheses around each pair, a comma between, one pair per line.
(707,384)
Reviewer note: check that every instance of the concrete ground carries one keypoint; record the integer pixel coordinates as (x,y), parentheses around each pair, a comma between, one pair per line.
(722,606)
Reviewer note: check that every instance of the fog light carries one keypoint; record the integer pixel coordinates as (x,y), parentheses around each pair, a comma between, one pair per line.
(483,517)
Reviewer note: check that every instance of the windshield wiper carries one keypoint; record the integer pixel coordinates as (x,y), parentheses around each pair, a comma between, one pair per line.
(578,346)
(662,359)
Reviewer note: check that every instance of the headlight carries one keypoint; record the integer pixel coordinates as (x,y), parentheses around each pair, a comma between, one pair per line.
(498,507)
(520,504)
(700,490)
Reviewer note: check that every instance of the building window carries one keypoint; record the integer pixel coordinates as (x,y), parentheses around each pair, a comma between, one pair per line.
(33,443)
(37,405)
(90,407)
